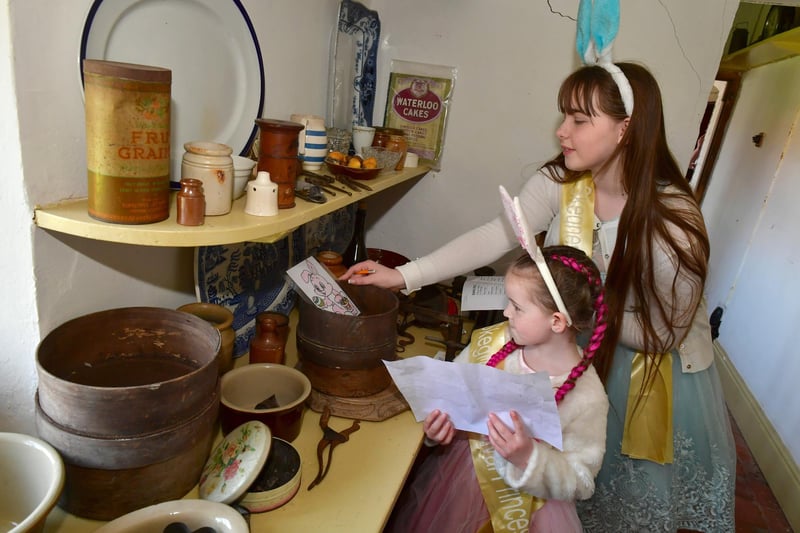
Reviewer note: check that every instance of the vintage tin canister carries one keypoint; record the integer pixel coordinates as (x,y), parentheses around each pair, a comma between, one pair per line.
(127,141)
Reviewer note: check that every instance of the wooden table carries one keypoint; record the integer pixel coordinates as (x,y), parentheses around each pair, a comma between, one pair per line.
(366,475)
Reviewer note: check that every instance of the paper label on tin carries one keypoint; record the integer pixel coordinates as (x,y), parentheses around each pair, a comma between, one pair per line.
(127,127)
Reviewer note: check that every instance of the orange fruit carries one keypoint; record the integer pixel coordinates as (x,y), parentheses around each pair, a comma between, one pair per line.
(370,162)
(355,162)
(338,157)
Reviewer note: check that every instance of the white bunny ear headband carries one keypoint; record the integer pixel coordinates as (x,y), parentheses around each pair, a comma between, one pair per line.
(598,23)
(523,232)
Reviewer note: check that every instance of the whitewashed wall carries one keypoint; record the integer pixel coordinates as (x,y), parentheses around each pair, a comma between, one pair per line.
(752,211)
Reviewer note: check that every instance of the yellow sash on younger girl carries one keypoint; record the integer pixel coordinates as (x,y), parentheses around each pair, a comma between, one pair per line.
(509,509)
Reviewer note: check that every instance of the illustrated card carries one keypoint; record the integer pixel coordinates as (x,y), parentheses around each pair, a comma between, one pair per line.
(314,282)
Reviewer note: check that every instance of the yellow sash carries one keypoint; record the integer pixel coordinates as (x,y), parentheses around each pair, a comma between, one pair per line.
(648,420)
(577,214)
(509,509)
(648,430)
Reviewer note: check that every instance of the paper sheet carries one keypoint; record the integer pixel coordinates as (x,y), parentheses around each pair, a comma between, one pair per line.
(483,293)
(469,392)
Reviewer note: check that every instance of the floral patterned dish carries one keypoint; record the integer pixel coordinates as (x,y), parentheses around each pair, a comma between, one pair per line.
(235,463)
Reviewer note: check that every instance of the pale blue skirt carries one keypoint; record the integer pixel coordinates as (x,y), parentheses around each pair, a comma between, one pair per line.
(696,491)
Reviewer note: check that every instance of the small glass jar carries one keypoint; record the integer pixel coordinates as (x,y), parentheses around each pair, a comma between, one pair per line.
(394,140)
(212,164)
(339,140)
(191,203)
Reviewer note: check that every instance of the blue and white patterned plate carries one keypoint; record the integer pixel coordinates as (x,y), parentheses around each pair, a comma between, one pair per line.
(249,277)
(354,51)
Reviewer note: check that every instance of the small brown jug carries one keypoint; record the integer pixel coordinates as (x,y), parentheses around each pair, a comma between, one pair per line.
(333,261)
(221,318)
(269,343)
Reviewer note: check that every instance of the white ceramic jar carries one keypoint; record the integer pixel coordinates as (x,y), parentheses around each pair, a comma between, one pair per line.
(211,163)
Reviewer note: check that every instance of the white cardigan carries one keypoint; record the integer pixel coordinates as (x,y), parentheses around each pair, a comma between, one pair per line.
(566,474)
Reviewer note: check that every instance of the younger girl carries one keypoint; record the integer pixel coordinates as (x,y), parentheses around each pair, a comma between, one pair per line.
(513,480)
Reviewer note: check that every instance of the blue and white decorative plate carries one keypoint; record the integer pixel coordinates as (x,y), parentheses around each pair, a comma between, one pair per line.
(330,232)
(354,52)
(249,277)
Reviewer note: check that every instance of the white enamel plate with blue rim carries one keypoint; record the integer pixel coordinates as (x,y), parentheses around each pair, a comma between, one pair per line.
(212,50)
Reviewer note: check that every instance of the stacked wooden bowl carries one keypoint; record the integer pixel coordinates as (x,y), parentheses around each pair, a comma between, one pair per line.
(129,398)
(343,355)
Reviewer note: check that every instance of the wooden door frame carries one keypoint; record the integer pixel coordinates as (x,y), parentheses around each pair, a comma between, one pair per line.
(733,81)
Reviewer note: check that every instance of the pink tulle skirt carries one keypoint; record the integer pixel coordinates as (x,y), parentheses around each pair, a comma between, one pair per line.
(443,496)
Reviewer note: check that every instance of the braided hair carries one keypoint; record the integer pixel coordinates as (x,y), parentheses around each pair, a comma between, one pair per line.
(581,287)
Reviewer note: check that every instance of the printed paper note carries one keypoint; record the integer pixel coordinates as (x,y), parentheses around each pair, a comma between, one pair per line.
(483,293)
(469,392)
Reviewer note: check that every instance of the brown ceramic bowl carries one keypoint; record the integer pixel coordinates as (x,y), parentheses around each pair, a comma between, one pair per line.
(355,173)
(244,388)
(386,257)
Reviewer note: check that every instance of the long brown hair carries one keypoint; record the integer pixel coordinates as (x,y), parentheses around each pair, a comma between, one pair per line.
(652,217)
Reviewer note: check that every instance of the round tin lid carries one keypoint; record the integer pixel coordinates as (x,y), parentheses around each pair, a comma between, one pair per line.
(234,463)
(131,71)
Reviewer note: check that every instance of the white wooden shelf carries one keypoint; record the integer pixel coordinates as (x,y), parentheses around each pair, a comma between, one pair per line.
(72,217)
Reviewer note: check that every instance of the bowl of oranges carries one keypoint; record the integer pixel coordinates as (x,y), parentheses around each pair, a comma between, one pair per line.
(352,166)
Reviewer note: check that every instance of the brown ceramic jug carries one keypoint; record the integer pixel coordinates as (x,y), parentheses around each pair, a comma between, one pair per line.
(269,343)
(277,154)
(333,262)
(222,319)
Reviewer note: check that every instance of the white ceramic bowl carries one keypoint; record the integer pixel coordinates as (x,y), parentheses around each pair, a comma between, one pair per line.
(31,480)
(242,172)
(193,513)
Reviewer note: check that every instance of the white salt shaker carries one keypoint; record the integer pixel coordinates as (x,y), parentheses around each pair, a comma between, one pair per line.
(262,196)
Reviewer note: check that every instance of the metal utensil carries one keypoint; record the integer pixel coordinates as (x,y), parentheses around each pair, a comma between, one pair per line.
(327,187)
(311,194)
(353,184)
(330,439)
